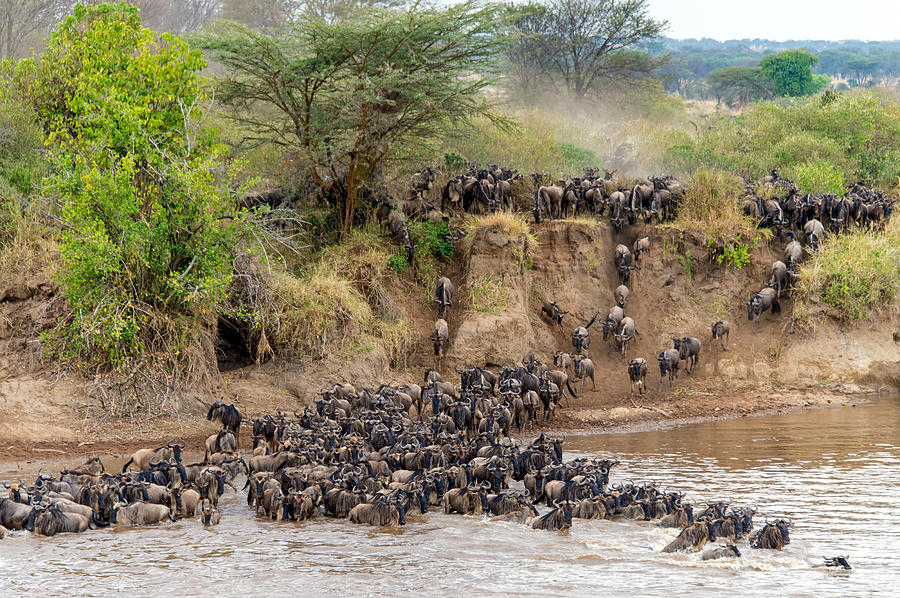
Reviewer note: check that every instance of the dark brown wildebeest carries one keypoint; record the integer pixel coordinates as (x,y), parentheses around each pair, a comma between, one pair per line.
(773,536)
(227,415)
(49,521)
(668,364)
(471,499)
(637,373)
(624,261)
(556,519)
(688,349)
(552,311)
(581,337)
(720,331)
(693,537)
(640,246)
(761,302)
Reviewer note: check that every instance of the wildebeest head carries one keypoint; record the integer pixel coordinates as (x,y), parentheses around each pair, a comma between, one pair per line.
(838,561)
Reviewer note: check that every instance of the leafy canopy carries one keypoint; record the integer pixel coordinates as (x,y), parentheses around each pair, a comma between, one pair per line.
(351,95)
(147,233)
(791,73)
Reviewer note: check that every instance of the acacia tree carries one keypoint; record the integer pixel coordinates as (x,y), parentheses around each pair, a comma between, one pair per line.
(739,84)
(349,96)
(791,72)
(589,43)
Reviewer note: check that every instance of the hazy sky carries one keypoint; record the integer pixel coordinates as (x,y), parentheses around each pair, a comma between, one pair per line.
(780,19)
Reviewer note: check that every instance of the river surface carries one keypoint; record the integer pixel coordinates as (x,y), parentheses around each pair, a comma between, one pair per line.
(836,472)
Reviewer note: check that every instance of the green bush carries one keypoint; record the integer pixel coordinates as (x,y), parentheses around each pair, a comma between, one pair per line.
(818,177)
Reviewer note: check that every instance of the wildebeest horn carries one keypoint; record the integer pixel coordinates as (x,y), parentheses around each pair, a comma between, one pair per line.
(556,502)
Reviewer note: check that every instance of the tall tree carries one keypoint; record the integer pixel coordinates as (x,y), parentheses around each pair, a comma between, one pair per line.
(589,43)
(791,72)
(737,85)
(348,96)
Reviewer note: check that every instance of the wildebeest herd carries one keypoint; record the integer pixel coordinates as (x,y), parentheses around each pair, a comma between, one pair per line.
(374,457)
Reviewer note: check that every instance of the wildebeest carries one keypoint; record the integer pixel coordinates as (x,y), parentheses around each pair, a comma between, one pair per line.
(778,277)
(689,350)
(443,293)
(668,365)
(139,513)
(13,515)
(555,519)
(693,537)
(563,360)
(440,336)
(773,536)
(793,252)
(553,311)
(471,499)
(584,368)
(624,261)
(625,334)
(143,457)
(209,515)
(227,415)
(814,232)
(762,302)
(637,373)
(718,553)
(621,295)
(51,520)
(640,246)
(380,513)
(837,561)
(611,325)
(720,331)
(581,337)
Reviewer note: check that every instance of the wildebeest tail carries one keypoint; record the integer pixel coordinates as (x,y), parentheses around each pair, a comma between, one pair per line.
(776,307)
(594,319)
(127,463)
(571,390)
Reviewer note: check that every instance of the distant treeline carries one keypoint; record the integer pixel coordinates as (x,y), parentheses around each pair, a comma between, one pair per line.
(851,63)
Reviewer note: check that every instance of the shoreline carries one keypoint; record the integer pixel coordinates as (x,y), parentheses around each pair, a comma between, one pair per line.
(126,437)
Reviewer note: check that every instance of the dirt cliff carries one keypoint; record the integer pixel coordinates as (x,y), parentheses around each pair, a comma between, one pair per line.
(677,291)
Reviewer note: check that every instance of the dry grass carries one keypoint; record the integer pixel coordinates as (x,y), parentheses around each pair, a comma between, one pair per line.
(711,205)
(339,304)
(514,224)
(489,295)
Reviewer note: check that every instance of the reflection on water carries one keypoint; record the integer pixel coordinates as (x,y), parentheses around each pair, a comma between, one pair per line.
(835,472)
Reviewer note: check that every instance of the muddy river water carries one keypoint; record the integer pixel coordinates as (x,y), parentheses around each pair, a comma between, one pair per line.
(836,472)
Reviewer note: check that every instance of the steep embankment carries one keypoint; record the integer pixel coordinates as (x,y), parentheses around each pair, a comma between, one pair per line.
(677,291)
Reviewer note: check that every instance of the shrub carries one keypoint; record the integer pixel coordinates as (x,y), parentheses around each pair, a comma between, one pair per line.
(711,204)
(853,273)
(818,177)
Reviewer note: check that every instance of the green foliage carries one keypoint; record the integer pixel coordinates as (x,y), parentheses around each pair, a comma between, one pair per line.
(577,155)
(398,263)
(791,73)
(21,163)
(454,162)
(430,239)
(818,177)
(852,274)
(858,132)
(711,205)
(735,254)
(488,295)
(350,96)
(150,233)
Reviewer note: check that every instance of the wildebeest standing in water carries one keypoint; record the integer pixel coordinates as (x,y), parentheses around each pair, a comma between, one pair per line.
(228,416)
(440,336)
(720,331)
(443,293)
(773,536)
